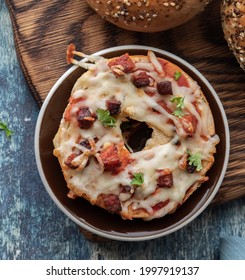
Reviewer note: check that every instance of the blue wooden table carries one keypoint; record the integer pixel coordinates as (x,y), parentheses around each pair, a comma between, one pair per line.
(31,225)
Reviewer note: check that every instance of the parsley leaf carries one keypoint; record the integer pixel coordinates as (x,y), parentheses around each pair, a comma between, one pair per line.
(177,75)
(179,104)
(178,113)
(195,160)
(106,119)
(138,179)
(4,127)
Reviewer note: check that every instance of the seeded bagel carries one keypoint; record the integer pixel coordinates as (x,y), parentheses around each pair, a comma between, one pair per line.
(233,23)
(147,15)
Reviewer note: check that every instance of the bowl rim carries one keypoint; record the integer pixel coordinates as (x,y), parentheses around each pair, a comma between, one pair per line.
(90,228)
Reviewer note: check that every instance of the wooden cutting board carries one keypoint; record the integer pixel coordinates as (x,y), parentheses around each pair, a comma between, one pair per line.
(44,28)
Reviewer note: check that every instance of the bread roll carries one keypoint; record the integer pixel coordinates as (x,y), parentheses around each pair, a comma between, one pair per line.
(233,23)
(147,15)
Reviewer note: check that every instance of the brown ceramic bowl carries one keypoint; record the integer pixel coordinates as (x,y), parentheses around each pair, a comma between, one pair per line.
(95,219)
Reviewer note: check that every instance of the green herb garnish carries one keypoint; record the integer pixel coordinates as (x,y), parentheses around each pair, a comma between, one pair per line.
(4,127)
(177,75)
(106,119)
(179,104)
(195,160)
(138,179)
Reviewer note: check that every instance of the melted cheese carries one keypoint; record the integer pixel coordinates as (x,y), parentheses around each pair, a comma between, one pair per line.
(95,87)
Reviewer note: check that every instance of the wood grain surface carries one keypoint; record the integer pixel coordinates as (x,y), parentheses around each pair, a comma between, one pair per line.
(44,28)
(32,227)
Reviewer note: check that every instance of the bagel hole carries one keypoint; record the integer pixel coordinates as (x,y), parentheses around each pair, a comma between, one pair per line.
(135,134)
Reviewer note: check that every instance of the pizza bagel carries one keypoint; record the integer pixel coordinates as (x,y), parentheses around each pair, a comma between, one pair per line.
(137,136)
(233,23)
(147,15)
